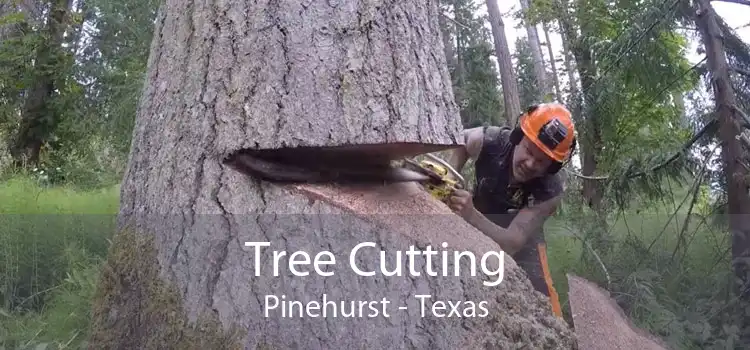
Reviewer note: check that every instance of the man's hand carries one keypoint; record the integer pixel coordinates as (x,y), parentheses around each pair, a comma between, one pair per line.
(460,201)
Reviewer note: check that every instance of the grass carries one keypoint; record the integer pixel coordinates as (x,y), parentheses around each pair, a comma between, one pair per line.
(669,273)
(52,240)
(51,243)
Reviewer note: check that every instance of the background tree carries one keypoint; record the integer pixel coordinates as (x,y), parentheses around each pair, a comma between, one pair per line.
(731,121)
(535,48)
(474,77)
(528,86)
(502,53)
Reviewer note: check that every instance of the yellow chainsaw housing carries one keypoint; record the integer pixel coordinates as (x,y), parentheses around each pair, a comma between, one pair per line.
(445,187)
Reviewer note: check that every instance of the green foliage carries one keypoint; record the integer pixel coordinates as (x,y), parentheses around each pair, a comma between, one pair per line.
(65,319)
(637,65)
(475,79)
(668,269)
(35,227)
(87,120)
(16,72)
(528,89)
(673,275)
(483,104)
(117,62)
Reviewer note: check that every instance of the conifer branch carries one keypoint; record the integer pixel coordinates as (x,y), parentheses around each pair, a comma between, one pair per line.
(744,72)
(454,21)
(671,159)
(741,2)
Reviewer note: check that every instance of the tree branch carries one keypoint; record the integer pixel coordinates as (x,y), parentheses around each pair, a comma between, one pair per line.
(454,21)
(741,71)
(706,128)
(741,2)
(745,118)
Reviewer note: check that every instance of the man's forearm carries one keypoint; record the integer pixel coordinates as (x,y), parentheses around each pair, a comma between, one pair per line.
(458,158)
(473,139)
(510,240)
(526,224)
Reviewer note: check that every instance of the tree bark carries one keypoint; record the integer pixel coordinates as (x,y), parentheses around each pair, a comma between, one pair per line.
(553,64)
(508,80)
(233,75)
(536,54)
(590,137)
(738,201)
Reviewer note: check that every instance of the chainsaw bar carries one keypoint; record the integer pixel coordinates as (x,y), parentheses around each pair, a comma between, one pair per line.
(414,166)
(324,170)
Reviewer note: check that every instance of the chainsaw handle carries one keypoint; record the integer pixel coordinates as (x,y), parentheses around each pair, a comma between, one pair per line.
(449,167)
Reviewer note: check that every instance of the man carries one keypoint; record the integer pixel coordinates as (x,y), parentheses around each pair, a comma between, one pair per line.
(511,166)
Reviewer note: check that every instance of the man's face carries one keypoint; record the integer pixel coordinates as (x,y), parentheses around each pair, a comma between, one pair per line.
(529,161)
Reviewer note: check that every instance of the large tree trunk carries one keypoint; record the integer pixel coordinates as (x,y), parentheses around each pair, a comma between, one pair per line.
(511,97)
(540,72)
(294,74)
(738,201)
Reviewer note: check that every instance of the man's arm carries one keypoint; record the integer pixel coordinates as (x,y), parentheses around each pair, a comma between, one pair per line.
(473,139)
(526,224)
(530,221)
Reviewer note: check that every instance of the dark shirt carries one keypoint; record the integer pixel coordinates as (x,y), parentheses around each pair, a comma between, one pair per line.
(494,195)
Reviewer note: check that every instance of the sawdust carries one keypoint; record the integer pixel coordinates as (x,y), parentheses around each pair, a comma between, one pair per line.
(404,207)
(600,323)
(519,317)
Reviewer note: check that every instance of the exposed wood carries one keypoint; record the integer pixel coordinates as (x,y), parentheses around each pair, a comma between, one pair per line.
(601,324)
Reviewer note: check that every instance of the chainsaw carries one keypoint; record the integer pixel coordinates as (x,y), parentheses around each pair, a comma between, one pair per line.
(442,180)
(333,165)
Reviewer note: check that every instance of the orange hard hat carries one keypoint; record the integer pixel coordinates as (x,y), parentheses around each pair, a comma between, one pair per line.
(550,127)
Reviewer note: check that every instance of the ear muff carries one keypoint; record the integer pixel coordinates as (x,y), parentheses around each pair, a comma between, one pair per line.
(516,135)
(556,166)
